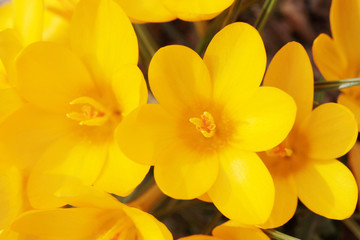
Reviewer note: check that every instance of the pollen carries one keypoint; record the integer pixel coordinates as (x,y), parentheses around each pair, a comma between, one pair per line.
(89,112)
(281,151)
(205,124)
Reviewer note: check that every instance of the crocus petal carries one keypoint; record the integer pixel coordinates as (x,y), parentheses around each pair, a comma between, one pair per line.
(149,127)
(10,46)
(329,132)
(233,230)
(179,79)
(9,102)
(68,160)
(56,27)
(146,11)
(296,78)
(147,225)
(197,10)
(11,190)
(285,194)
(265,120)
(181,167)
(345,22)
(28,19)
(66,223)
(3,78)
(50,77)
(32,130)
(244,190)
(352,104)
(199,237)
(130,89)
(120,175)
(236,60)
(6,15)
(108,40)
(354,161)
(82,196)
(205,197)
(329,59)
(327,188)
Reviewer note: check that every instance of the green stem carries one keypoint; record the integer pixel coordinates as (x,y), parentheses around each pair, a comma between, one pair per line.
(214,221)
(147,44)
(278,235)
(233,13)
(353,227)
(264,15)
(336,85)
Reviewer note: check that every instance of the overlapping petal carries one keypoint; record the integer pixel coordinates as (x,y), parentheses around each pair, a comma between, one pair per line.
(179,79)
(68,223)
(296,78)
(146,11)
(327,188)
(10,46)
(345,22)
(232,230)
(147,226)
(28,19)
(351,103)
(190,10)
(247,185)
(329,132)
(236,60)
(9,102)
(265,120)
(130,89)
(108,40)
(199,237)
(329,59)
(149,127)
(12,195)
(5,15)
(354,161)
(120,175)
(52,81)
(68,160)
(285,194)
(32,130)
(181,167)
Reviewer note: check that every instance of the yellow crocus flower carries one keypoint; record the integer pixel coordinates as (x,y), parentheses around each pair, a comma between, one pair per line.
(74,102)
(231,230)
(212,118)
(338,57)
(97,216)
(22,23)
(304,165)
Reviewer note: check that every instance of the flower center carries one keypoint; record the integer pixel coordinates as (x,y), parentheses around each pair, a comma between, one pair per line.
(90,112)
(281,150)
(205,124)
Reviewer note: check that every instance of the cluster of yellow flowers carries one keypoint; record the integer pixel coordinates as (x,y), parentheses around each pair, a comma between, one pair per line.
(75,124)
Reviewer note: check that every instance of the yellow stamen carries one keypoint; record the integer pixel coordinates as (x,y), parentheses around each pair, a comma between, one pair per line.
(91,112)
(280,150)
(205,124)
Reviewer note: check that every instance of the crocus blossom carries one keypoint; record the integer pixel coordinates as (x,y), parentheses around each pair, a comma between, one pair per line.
(304,165)
(75,99)
(203,134)
(337,57)
(97,216)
